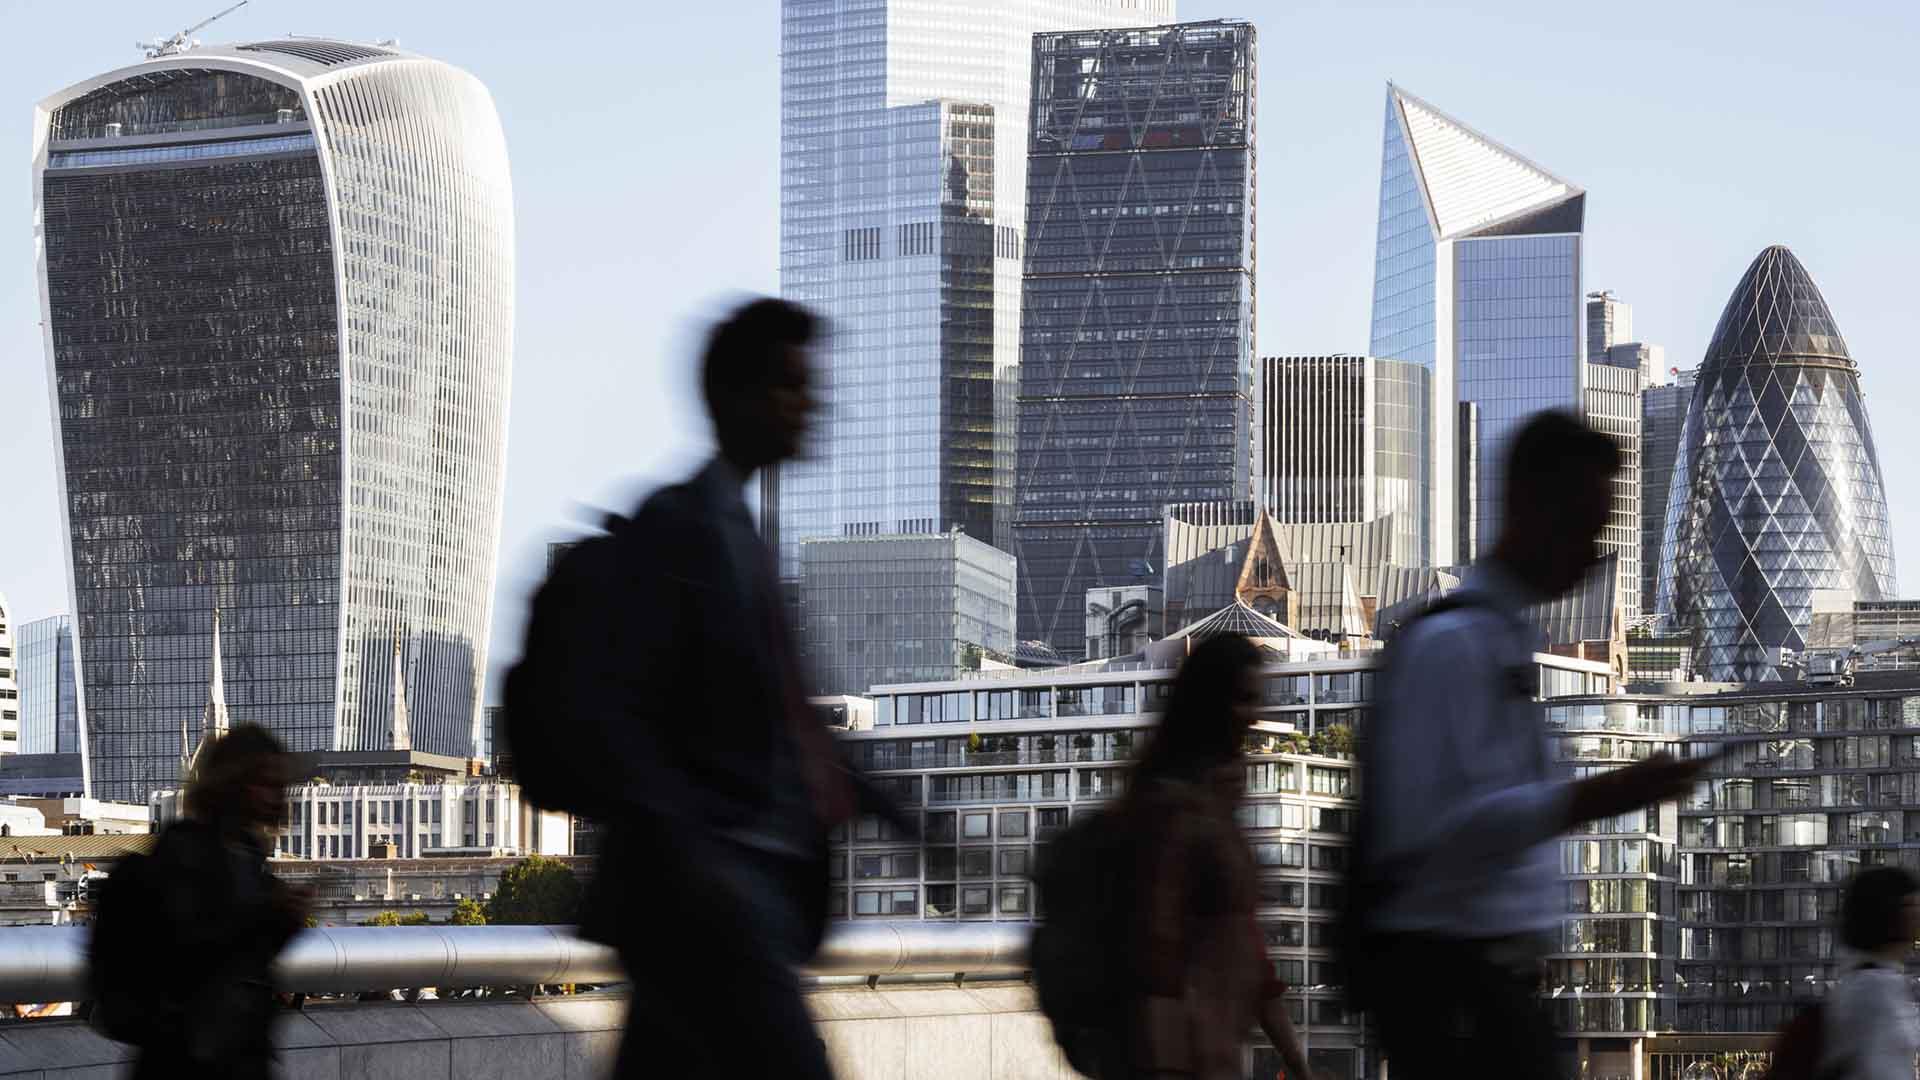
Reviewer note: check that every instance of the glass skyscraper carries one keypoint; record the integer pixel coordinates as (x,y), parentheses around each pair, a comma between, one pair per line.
(278,281)
(892,609)
(1776,492)
(902,216)
(1344,439)
(1663,409)
(1612,407)
(1137,336)
(1477,277)
(9,680)
(49,694)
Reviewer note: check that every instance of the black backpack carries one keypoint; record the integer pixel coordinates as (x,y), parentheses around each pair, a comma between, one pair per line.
(131,1002)
(557,697)
(1081,968)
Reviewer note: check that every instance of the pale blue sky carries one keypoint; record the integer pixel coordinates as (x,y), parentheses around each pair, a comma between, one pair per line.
(645,146)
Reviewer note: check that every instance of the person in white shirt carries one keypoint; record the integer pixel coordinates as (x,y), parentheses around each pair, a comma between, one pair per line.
(1871,1023)
(1461,888)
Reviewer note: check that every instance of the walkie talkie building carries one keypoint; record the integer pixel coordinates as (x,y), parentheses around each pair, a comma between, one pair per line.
(1776,493)
(277,286)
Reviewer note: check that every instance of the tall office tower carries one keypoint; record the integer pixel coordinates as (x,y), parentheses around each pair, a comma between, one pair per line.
(1776,492)
(1477,278)
(1663,409)
(1136,346)
(49,694)
(9,681)
(1345,438)
(1649,360)
(903,149)
(891,609)
(1609,323)
(1612,406)
(278,297)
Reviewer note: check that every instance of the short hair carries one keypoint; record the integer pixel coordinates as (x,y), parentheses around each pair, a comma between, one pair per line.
(229,765)
(1553,450)
(1870,914)
(741,351)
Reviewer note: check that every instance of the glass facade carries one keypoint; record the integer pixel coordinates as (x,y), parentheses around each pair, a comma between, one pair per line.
(1345,438)
(1808,786)
(281,373)
(1516,344)
(49,692)
(1776,491)
(1477,278)
(12,659)
(902,216)
(1137,335)
(1612,406)
(896,609)
(1663,410)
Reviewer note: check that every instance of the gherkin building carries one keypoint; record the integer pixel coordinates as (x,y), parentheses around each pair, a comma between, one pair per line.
(1776,493)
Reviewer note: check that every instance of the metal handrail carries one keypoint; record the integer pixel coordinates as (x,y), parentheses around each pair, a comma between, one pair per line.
(49,963)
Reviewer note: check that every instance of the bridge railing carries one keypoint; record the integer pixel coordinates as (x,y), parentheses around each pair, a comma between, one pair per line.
(49,963)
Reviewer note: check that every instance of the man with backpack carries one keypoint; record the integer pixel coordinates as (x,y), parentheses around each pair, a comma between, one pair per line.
(1455,888)
(659,693)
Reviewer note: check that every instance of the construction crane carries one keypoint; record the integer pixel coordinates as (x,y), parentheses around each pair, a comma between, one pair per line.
(184,40)
(1835,667)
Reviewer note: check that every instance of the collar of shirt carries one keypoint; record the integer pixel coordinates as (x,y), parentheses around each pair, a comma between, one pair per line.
(723,487)
(1502,590)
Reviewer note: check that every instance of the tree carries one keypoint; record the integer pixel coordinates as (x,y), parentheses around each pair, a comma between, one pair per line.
(535,891)
(394,918)
(1333,739)
(467,912)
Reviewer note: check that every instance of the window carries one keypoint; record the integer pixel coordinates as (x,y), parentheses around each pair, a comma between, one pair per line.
(1289,894)
(939,827)
(1014,862)
(886,902)
(837,903)
(1269,815)
(1013,900)
(940,902)
(1326,781)
(1013,824)
(899,864)
(1330,859)
(1332,821)
(1283,935)
(1326,897)
(1050,821)
(976,900)
(1287,855)
(976,826)
(976,862)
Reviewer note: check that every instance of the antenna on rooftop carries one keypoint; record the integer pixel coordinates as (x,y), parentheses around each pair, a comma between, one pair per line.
(184,40)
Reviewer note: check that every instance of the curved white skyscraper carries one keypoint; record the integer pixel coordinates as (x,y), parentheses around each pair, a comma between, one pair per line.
(277,281)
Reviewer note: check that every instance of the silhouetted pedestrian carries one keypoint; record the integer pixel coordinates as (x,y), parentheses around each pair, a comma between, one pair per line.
(204,921)
(1456,873)
(1872,1025)
(1202,977)
(713,882)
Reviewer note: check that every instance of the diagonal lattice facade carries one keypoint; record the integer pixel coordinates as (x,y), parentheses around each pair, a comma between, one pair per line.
(1137,330)
(1776,492)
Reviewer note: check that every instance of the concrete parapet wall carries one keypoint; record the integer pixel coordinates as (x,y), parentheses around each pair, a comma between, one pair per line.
(889,1032)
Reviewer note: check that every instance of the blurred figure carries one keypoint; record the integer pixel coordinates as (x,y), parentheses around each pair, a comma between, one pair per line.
(216,917)
(1202,978)
(1456,872)
(1872,1026)
(713,883)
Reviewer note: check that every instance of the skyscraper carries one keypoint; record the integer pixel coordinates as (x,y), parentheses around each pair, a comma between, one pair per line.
(1612,406)
(278,289)
(1137,334)
(1777,491)
(1609,323)
(49,695)
(9,681)
(1477,278)
(1663,409)
(1344,438)
(902,220)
